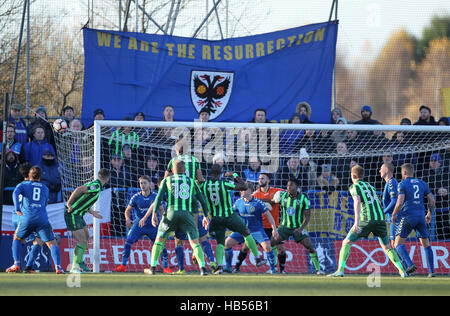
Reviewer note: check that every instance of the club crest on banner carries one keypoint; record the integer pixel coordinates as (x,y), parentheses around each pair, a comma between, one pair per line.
(211,91)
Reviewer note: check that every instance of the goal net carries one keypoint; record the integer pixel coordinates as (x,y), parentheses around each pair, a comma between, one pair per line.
(319,156)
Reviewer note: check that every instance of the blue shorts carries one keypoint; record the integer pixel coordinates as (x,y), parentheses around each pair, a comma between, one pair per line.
(201,230)
(260,236)
(43,229)
(408,223)
(135,233)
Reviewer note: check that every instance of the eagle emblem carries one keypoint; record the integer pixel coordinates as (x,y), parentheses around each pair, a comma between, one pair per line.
(211,91)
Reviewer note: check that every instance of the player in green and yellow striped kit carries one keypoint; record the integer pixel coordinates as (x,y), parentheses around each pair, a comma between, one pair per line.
(78,204)
(218,198)
(183,194)
(295,216)
(369,218)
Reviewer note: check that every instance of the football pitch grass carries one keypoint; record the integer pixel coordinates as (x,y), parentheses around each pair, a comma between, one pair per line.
(136,284)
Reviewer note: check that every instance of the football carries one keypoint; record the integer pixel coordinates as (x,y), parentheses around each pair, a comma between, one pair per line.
(60,125)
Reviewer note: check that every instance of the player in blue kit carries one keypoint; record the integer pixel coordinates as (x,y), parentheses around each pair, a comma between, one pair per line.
(141,203)
(251,210)
(410,204)
(390,196)
(33,218)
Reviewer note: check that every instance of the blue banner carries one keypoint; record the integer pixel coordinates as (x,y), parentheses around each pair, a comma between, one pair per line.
(126,73)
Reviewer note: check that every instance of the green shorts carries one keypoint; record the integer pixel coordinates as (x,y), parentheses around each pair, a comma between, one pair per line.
(378,228)
(173,221)
(286,232)
(74,222)
(219,225)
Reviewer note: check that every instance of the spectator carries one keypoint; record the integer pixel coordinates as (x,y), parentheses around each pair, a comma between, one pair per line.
(335,115)
(152,169)
(119,182)
(339,136)
(436,175)
(290,170)
(143,132)
(34,149)
(288,137)
(304,109)
(40,119)
(13,144)
(122,136)
(201,135)
(76,125)
(405,151)
(133,164)
(405,121)
(327,181)
(260,116)
(12,175)
(378,141)
(340,165)
(323,142)
(425,117)
(163,136)
(19,123)
(51,176)
(353,141)
(308,171)
(252,172)
(204,115)
(444,121)
(366,116)
(307,141)
(68,114)
(99,115)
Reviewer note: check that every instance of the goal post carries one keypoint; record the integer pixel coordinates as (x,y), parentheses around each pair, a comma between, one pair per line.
(319,155)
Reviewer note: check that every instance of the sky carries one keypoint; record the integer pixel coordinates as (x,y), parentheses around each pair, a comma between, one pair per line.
(365,25)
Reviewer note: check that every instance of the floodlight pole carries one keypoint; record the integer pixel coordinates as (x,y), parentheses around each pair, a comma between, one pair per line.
(206,18)
(3,160)
(13,88)
(334,8)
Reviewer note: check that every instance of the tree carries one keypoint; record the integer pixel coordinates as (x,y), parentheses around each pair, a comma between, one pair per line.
(389,77)
(438,28)
(432,74)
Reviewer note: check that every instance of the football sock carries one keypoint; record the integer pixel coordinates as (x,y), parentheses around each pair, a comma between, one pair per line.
(228,257)
(33,254)
(343,256)
(271,258)
(16,251)
(251,244)
(401,249)
(208,251)
(126,253)
(430,259)
(78,253)
(392,254)
(241,257)
(219,254)
(156,252)
(315,260)
(165,258)
(198,253)
(275,253)
(282,261)
(179,252)
(56,256)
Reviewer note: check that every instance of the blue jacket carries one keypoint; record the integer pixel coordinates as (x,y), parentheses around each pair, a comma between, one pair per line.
(35,149)
(51,178)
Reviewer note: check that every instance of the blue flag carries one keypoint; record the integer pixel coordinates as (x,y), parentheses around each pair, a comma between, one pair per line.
(126,73)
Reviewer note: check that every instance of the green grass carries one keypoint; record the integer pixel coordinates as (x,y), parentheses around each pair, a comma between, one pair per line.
(222,285)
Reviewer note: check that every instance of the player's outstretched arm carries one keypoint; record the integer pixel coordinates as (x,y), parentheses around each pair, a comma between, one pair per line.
(147,215)
(431,207)
(82,189)
(305,221)
(128,220)
(272,223)
(96,214)
(398,206)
